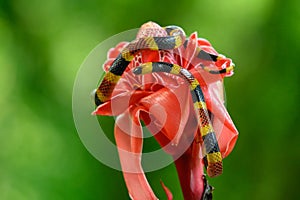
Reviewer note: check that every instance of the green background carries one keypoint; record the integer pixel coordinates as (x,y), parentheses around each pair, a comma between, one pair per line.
(42,45)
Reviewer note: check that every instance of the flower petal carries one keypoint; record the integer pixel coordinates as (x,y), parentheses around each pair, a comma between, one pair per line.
(176,107)
(224,127)
(119,103)
(128,135)
(167,191)
(190,171)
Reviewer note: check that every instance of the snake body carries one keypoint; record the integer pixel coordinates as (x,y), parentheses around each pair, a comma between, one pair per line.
(175,38)
(119,65)
(213,157)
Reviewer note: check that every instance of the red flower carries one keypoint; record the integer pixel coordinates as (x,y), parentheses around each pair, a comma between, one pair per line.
(164,103)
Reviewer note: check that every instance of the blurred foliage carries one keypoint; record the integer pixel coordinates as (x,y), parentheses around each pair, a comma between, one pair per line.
(44,43)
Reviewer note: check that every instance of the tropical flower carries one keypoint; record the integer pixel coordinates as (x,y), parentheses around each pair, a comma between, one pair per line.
(163,102)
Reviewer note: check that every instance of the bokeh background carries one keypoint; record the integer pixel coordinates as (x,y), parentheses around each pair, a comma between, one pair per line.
(42,45)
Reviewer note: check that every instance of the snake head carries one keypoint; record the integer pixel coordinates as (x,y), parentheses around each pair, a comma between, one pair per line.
(174,30)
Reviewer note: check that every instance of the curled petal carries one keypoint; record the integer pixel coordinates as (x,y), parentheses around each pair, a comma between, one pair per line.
(226,131)
(176,107)
(203,42)
(120,103)
(129,142)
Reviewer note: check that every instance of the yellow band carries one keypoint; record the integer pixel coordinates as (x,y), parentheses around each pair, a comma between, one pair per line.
(175,69)
(101,96)
(206,129)
(214,157)
(127,55)
(178,41)
(194,84)
(151,43)
(112,77)
(200,105)
(147,68)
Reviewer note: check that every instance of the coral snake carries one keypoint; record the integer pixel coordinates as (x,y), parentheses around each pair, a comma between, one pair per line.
(175,38)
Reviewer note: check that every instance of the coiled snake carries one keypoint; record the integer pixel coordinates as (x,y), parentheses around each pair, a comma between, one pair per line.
(175,38)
